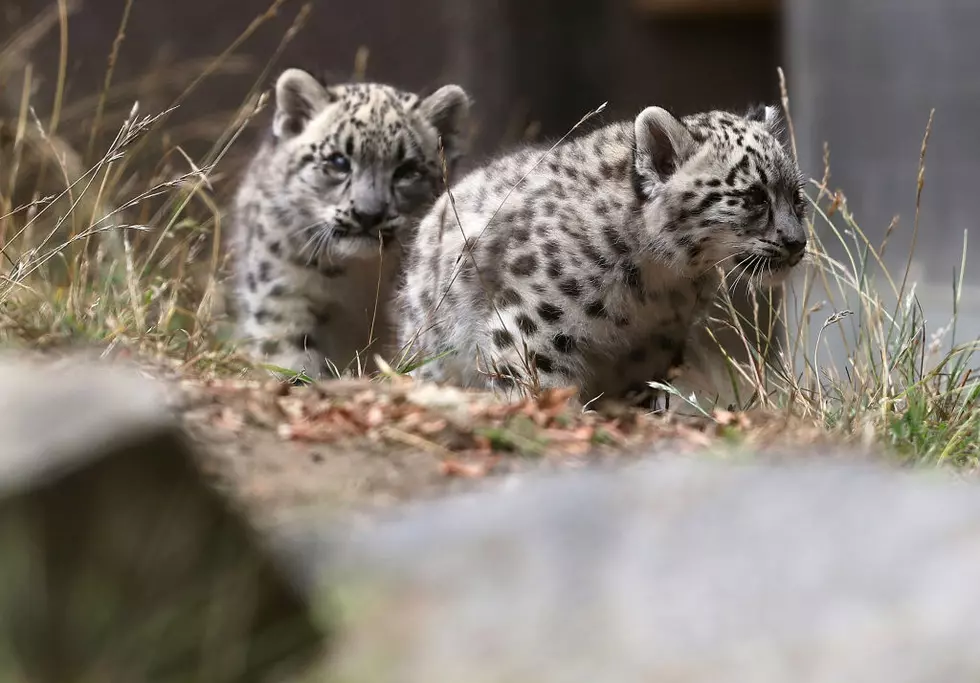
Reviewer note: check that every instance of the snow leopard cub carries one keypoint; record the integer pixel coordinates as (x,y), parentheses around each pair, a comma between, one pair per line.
(324,211)
(592,267)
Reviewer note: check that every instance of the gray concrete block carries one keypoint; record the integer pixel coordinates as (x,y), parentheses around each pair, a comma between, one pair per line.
(674,570)
(863,76)
(120,562)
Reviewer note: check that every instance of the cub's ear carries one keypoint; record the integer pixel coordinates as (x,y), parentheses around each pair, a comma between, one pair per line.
(765,113)
(773,120)
(448,110)
(299,96)
(662,144)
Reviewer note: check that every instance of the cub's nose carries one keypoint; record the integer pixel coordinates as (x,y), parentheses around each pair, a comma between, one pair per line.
(369,220)
(794,245)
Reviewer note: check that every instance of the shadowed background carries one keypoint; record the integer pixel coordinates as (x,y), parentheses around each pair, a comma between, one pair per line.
(862,74)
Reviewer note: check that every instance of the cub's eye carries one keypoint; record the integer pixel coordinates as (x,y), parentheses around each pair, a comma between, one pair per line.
(410,170)
(756,197)
(799,203)
(338,162)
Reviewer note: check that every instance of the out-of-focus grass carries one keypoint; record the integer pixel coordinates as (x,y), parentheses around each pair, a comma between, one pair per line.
(112,247)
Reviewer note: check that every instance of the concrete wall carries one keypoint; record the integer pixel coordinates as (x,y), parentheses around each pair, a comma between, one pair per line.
(523,60)
(864,75)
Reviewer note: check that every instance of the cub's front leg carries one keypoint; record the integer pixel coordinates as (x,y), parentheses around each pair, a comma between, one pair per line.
(280,329)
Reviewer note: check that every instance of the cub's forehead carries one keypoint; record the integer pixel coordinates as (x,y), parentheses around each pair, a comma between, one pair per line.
(367,120)
(729,132)
(362,98)
(749,145)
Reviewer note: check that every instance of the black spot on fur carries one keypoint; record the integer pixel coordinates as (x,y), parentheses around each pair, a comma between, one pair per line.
(596,256)
(502,339)
(707,202)
(524,265)
(526,324)
(544,363)
(570,288)
(563,343)
(264,315)
(549,312)
(596,309)
(555,269)
(269,347)
(265,271)
(509,297)
(741,167)
(614,240)
(631,277)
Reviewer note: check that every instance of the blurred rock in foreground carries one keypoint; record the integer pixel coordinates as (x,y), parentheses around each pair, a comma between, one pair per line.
(673,570)
(120,563)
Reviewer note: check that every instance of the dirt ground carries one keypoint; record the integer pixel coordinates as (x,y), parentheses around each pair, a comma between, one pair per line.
(364,445)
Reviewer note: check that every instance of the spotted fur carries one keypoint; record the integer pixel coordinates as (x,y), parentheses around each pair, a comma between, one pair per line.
(590,265)
(324,212)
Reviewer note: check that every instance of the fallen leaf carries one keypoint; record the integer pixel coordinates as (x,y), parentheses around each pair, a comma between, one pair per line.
(293,408)
(432,427)
(553,401)
(694,436)
(374,416)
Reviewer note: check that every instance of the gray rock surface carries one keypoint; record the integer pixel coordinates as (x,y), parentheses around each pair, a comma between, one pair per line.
(120,562)
(674,570)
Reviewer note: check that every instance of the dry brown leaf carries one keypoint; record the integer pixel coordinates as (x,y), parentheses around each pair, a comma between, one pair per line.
(723,417)
(553,401)
(692,435)
(726,418)
(432,426)
(293,408)
(320,431)
(374,416)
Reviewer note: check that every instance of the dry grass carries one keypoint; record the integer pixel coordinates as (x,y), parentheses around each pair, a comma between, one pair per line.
(91,254)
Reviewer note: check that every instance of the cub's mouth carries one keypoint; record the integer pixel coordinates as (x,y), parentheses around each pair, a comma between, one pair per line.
(372,239)
(780,263)
(768,267)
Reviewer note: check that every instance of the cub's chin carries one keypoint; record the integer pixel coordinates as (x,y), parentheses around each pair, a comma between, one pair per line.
(774,271)
(356,246)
